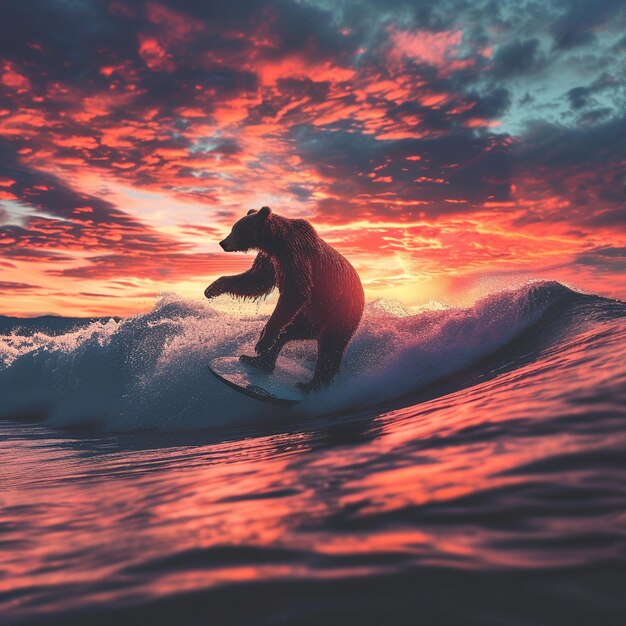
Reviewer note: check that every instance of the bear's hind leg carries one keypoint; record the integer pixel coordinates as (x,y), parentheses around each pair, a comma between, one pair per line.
(329,357)
(266,361)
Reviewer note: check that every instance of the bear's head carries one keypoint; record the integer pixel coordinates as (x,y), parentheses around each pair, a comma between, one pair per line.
(249,232)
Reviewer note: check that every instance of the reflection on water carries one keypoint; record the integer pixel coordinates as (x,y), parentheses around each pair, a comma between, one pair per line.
(502,502)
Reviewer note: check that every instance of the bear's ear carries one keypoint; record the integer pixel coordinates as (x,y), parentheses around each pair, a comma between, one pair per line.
(264,212)
(251,211)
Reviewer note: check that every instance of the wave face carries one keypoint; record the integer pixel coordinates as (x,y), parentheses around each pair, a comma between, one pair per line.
(467,468)
(150,371)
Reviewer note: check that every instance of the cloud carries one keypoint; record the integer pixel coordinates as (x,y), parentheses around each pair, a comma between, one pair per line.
(423,173)
(581,19)
(64,219)
(132,134)
(432,48)
(7,286)
(518,57)
(583,165)
(157,266)
(581,97)
(608,258)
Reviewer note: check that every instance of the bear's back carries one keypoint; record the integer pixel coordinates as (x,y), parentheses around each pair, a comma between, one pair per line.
(303,260)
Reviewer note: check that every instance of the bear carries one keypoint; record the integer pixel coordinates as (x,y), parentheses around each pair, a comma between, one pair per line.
(321,295)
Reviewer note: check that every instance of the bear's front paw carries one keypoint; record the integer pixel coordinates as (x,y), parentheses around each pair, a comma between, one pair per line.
(214,289)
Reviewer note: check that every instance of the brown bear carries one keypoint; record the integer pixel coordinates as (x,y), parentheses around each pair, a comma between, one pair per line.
(321,296)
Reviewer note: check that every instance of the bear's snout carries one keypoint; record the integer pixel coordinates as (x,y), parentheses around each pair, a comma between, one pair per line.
(230,244)
(227,246)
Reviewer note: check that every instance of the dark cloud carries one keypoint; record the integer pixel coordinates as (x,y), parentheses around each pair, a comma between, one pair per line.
(227,146)
(583,165)
(580,20)
(48,194)
(609,218)
(185,44)
(491,105)
(69,39)
(608,258)
(594,116)
(9,286)
(63,217)
(557,147)
(306,29)
(460,166)
(580,97)
(518,57)
(299,191)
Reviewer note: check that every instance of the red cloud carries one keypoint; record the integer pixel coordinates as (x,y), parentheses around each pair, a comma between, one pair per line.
(155,56)
(433,48)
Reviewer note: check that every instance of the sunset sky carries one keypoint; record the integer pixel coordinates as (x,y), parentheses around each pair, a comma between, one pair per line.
(445,148)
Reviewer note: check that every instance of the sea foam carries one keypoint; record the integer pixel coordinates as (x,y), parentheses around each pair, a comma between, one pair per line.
(149,371)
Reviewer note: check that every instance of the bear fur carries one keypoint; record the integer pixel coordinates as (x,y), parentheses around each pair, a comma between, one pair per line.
(321,296)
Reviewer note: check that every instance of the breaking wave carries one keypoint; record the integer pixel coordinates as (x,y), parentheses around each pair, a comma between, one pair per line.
(150,371)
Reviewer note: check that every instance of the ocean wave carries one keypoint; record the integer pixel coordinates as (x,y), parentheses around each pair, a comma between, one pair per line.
(149,371)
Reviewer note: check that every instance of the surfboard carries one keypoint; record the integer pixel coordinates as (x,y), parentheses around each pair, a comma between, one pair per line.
(279,387)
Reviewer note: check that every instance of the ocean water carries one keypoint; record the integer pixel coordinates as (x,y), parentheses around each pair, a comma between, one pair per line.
(468,467)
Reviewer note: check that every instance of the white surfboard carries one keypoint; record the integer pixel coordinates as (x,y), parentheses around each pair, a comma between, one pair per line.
(279,387)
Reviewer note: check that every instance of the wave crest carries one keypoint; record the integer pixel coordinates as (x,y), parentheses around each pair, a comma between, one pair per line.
(149,371)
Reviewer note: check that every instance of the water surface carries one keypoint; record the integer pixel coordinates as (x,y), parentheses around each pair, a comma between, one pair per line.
(468,468)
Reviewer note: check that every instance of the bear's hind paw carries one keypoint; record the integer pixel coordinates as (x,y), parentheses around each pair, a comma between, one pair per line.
(260,362)
(308,387)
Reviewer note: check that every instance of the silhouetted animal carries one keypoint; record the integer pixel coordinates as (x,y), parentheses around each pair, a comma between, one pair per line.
(321,296)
